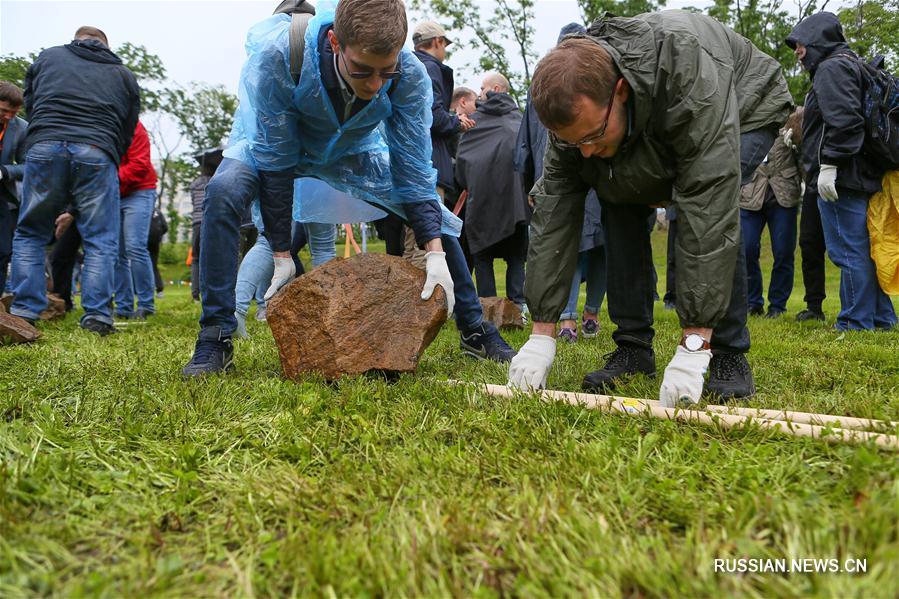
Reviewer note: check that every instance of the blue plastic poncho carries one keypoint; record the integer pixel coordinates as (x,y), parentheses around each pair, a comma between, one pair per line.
(381,155)
(314,201)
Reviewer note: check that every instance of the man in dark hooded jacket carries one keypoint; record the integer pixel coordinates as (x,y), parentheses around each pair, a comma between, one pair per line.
(837,168)
(83,105)
(497,214)
(667,107)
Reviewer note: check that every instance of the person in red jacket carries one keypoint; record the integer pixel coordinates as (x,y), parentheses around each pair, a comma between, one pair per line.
(134,269)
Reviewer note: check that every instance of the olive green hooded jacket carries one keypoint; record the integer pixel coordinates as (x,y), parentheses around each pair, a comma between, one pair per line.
(695,87)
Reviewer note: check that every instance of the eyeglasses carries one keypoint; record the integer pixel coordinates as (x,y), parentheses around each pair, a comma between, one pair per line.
(369,73)
(593,139)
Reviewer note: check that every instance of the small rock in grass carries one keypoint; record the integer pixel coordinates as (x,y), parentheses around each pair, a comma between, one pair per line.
(502,312)
(17,329)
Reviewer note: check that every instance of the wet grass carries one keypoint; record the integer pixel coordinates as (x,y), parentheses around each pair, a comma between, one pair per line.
(118,478)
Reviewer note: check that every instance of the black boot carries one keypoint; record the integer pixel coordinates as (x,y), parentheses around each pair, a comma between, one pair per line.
(810,314)
(625,361)
(730,377)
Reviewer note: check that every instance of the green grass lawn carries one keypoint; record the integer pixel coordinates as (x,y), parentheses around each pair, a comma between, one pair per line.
(120,479)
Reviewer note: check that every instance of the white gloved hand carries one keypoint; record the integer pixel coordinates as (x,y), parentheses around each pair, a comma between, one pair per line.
(438,274)
(788,137)
(284,272)
(531,364)
(827,182)
(1,174)
(684,376)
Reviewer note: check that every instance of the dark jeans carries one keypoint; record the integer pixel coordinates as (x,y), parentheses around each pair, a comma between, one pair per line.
(233,186)
(63,258)
(630,268)
(863,304)
(782,229)
(7,229)
(514,250)
(670,293)
(153,247)
(195,261)
(811,249)
(390,229)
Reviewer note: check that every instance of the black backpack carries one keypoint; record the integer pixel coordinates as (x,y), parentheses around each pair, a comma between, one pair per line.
(880,108)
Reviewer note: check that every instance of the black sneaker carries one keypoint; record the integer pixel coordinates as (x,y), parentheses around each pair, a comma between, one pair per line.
(625,361)
(730,377)
(756,311)
(98,326)
(143,314)
(809,314)
(774,313)
(213,353)
(485,343)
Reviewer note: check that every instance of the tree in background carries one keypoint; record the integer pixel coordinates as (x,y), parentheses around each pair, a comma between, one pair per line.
(593,9)
(510,26)
(203,115)
(12,68)
(767,24)
(872,29)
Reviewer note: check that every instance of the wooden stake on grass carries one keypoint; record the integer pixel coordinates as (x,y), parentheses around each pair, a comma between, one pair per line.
(633,406)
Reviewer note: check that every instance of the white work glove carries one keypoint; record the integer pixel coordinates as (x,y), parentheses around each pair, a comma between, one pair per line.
(788,137)
(1,174)
(531,364)
(684,376)
(827,182)
(284,272)
(438,274)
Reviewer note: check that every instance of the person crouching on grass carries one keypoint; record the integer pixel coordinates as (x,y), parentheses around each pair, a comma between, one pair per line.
(670,106)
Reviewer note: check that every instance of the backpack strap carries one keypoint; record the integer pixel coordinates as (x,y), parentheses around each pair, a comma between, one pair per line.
(299,22)
(300,12)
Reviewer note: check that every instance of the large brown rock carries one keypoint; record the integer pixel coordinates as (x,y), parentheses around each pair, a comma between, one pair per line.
(502,312)
(355,315)
(17,329)
(56,308)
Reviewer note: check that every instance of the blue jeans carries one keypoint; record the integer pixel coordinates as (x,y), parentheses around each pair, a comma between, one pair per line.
(258,266)
(228,194)
(863,304)
(57,174)
(782,229)
(591,266)
(134,269)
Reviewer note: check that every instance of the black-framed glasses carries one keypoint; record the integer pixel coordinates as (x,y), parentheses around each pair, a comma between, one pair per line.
(396,73)
(596,137)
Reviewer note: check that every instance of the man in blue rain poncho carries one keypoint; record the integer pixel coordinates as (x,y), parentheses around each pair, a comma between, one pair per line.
(359,119)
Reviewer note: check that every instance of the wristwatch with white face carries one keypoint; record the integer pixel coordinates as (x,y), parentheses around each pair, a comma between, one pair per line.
(694,342)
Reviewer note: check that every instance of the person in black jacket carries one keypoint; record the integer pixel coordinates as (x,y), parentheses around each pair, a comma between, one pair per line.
(83,105)
(497,215)
(837,168)
(430,43)
(12,168)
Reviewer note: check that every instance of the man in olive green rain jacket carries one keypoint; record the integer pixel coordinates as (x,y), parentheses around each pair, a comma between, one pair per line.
(669,107)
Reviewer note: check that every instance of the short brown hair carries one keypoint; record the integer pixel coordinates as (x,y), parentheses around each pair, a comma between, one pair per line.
(462,92)
(377,26)
(91,32)
(576,67)
(11,94)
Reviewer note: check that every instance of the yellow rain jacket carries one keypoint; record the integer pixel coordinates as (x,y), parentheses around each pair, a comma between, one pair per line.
(883,227)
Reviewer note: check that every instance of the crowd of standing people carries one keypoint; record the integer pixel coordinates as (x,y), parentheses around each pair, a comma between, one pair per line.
(624,119)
